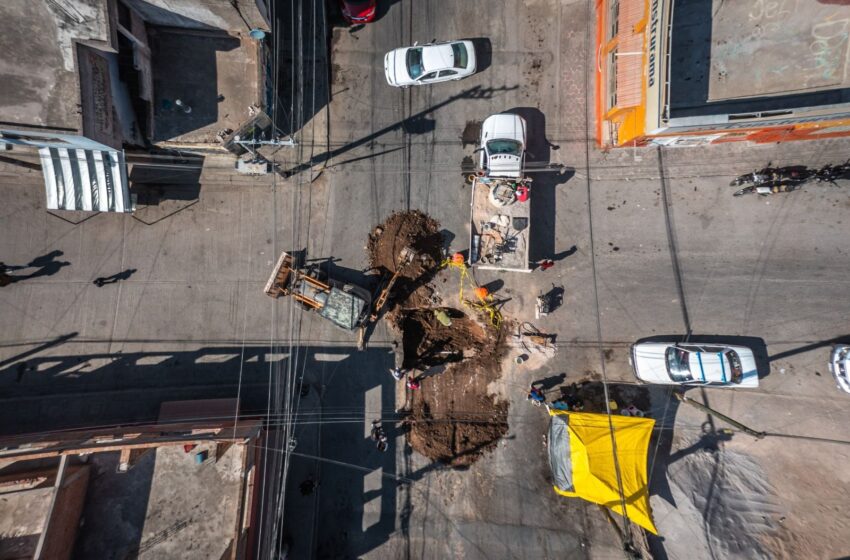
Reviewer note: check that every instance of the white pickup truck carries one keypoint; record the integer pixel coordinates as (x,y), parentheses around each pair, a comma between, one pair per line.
(500,226)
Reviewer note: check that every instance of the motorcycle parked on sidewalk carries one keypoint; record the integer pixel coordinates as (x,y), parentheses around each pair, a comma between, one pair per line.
(766,190)
(831,173)
(771,175)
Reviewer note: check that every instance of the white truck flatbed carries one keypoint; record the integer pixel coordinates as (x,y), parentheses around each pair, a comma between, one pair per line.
(500,227)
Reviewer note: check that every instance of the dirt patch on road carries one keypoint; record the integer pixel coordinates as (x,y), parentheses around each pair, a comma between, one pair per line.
(455,356)
(453,418)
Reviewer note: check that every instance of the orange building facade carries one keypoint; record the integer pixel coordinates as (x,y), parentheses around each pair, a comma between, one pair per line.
(679,74)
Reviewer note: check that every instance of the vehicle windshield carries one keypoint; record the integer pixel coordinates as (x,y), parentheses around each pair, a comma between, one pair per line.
(414,63)
(737,370)
(511,147)
(677,364)
(461,56)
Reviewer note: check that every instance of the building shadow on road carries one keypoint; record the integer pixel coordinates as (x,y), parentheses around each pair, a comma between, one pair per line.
(336,392)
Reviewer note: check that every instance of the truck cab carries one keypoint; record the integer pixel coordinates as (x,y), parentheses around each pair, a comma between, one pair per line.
(502,146)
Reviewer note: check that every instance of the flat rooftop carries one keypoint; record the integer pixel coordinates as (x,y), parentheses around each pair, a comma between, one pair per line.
(166,505)
(38,69)
(742,57)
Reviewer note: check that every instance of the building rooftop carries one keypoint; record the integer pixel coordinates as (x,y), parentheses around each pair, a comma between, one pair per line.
(180,488)
(39,83)
(748,57)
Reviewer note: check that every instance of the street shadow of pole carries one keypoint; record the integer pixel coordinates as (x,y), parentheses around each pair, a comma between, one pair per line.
(809,347)
(415,124)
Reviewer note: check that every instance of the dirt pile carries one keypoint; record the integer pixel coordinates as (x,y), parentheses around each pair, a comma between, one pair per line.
(452,417)
(403,231)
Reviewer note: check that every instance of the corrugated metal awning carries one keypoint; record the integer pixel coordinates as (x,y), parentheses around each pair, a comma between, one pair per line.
(85,180)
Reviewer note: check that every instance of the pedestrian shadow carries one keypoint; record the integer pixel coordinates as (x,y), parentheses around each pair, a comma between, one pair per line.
(45,265)
(115,278)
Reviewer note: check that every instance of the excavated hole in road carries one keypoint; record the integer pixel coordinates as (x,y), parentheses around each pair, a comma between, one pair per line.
(452,418)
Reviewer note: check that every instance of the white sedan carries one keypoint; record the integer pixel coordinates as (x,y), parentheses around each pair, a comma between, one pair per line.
(429,64)
(839,365)
(694,364)
(502,146)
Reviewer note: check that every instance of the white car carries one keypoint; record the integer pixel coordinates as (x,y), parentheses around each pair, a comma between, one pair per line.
(429,64)
(839,365)
(694,364)
(502,146)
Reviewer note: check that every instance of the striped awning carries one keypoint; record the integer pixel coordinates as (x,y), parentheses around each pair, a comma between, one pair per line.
(85,180)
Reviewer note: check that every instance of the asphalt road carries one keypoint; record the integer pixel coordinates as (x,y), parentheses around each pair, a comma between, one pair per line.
(193,322)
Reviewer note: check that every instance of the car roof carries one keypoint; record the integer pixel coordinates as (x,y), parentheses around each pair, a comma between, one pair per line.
(437,57)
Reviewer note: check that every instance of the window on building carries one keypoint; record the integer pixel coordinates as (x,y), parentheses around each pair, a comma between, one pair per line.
(612,79)
(613,18)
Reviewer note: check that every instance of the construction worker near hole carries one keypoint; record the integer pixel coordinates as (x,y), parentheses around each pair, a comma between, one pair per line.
(457,259)
(482,293)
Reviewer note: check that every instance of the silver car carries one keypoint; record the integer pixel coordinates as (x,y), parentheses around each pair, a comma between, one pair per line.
(839,365)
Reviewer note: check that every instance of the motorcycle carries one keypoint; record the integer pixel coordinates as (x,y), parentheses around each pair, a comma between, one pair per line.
(766,190)
(770,175)
(831,173)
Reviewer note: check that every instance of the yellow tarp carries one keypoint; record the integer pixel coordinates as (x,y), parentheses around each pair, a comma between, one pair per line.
(594,473)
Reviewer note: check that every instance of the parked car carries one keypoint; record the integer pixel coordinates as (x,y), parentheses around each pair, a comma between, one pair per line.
(429,64)
(502,148)
(718,365)
(358,11)
(839,365)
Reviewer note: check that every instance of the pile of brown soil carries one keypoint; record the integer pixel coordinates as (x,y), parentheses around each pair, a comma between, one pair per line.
(406,229)
(453,418)
(421,234)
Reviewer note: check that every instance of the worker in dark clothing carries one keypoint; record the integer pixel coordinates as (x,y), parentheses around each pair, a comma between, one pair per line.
(379,436)
(536,396)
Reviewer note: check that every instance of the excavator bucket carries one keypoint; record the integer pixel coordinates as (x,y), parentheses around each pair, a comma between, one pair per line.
(406,256)
(278,284)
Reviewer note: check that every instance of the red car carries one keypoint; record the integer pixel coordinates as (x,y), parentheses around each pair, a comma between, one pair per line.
(358,11)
